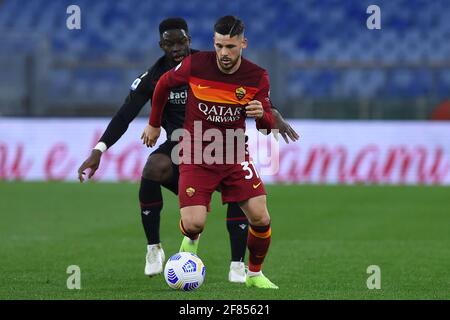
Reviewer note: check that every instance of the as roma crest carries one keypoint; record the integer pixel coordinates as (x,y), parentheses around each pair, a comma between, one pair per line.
(240,93)
(190,192)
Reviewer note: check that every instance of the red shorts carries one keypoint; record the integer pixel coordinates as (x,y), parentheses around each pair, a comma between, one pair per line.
(237,182)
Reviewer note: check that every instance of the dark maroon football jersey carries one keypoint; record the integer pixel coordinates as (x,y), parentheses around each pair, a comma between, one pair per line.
(216,100)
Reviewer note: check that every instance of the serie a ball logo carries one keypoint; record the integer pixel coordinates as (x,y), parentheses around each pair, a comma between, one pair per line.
(184,271)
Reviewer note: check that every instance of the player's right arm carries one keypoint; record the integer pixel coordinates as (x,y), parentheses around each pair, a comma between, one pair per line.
(173,78)
(140,93)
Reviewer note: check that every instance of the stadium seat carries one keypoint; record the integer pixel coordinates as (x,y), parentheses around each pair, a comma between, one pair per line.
(322,31)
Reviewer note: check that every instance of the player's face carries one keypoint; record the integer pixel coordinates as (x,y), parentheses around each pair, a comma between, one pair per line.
(175,44)
(229,51)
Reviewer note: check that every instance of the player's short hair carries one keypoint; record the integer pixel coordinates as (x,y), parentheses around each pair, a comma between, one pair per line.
(173,23)
(229,25)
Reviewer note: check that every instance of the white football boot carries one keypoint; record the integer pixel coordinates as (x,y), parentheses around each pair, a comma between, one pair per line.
(154,260)
(237,272)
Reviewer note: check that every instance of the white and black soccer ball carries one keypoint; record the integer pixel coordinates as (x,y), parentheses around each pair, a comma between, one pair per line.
(184,271)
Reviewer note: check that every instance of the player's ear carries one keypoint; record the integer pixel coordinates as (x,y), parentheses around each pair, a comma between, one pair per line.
(244,43)
(160,44)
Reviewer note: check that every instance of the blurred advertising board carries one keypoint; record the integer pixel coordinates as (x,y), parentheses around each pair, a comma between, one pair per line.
(328,152)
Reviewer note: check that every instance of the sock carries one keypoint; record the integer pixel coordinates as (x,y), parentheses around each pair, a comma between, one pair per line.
(258,243)
(254,274)
(192,236)
(237,225)
(151,201)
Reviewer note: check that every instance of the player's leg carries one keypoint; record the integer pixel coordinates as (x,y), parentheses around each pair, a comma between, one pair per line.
(196,185)
(192,222)
(171,183)
(157,170)
(237,226)
(258,242)
(244,186)
(187,244)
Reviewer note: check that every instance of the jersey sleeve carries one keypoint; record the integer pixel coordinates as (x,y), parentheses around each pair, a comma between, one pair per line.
(173,78)
(266,121)
(140,93)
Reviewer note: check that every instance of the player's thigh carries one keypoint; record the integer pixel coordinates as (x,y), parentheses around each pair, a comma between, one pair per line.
(256,210)
(241,183)
(196,185)
(172,185)
(158,168)
(194,217)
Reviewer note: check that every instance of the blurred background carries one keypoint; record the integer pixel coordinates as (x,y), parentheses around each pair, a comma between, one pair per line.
(366,184)
(323,61)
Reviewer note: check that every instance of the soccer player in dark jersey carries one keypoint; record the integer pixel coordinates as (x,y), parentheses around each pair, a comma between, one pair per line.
(224,89)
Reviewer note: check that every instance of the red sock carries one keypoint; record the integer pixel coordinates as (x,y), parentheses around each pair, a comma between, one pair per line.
(258,243)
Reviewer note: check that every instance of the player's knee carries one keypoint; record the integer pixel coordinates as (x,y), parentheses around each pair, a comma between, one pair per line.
(158,168)
(260,220)
(193,227)
(256,210)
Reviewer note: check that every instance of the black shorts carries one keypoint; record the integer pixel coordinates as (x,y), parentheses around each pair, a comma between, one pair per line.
(166,148)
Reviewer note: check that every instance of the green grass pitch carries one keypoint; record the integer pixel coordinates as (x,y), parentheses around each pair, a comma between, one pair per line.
(324,238)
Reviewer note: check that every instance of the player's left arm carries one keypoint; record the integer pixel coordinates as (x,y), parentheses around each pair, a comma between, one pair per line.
(260,106)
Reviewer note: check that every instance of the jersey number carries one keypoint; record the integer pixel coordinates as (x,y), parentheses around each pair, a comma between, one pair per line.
(246,167)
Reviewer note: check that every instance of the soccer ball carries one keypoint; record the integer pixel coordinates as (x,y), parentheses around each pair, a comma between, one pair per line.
(184,271)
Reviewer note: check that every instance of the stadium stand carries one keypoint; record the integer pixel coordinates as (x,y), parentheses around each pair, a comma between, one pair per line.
(414,33)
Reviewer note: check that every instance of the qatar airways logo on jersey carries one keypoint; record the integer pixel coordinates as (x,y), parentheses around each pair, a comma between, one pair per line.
(220,113)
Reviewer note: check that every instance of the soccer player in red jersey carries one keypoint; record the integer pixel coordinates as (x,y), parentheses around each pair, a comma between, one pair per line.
(224,89)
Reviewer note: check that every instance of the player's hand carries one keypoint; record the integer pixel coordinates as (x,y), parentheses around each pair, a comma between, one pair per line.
(254,109)
(150,135)
(284,128)
(92,162)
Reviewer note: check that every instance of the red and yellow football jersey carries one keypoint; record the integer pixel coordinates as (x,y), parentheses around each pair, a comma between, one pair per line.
(216,100)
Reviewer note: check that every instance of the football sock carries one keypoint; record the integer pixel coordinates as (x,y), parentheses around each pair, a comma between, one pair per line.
(254,274)
(192,236)
(258,243)
(237,225)
(151,201)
